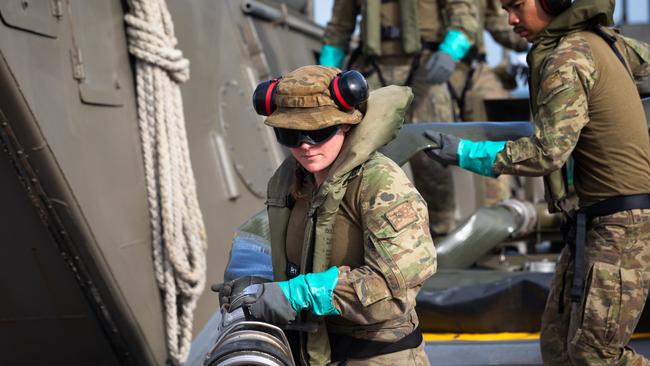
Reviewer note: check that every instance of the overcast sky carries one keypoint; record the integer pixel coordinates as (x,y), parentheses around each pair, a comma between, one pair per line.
(637,12)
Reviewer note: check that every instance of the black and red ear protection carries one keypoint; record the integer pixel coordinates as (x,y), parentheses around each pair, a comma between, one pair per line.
(348,90)
(555,7)
(264,97)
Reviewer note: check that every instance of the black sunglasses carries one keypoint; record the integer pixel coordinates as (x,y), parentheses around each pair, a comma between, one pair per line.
(295,138)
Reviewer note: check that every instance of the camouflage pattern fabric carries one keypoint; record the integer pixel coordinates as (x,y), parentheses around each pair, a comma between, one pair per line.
(304,102)
(484,83)
(563,111)
(596,331)
(580,80)
(431,103)
(377,298)
(368,209)
(398,255)
(459,14)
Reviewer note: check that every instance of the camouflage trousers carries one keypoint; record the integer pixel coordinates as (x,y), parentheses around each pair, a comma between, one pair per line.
(470,86)
(414,357)
(597,330)
(431,103)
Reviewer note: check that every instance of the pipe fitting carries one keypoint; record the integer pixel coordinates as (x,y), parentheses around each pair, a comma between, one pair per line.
(526,215)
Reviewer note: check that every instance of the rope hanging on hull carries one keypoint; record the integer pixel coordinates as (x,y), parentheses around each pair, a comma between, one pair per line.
(178,233)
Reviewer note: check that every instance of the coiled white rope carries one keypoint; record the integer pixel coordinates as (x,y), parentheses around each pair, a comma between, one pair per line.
(178,234)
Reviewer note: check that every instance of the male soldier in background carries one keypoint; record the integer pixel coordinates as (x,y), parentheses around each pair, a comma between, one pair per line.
(585,104)
(406,42)
(473,81)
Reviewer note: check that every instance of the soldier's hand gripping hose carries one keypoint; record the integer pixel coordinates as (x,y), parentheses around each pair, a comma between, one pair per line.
(447,150)
(231,289)
(441,64)
(477,157)
(280,302)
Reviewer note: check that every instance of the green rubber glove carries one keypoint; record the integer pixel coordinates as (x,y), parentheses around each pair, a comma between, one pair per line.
(312,291)
(455,44)
(331,56)
(280,302)
(478,157)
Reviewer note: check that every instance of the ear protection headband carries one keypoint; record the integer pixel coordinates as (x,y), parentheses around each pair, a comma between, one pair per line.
(348,90)
(555,7)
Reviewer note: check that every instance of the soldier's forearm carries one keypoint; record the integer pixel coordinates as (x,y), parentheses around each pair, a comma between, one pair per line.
(525,157)
(463,15)
(341,26)
(509,39)
(363,296)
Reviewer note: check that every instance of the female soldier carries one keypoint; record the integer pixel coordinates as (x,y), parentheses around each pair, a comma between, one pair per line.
(337,203)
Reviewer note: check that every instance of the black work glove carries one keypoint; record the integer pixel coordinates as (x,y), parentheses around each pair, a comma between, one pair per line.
(229,290)
(447,150)
(439,67)
(265,302)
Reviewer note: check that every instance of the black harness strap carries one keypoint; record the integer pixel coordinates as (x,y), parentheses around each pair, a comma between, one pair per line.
(375,65)
(579,257)
(345,347)
(415,64)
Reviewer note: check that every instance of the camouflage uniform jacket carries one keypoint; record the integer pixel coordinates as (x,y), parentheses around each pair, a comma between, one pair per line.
(434,18)
(571,72)
(368,208)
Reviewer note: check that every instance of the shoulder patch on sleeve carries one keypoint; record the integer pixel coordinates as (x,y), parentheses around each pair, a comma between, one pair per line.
(402,216)
(553,82)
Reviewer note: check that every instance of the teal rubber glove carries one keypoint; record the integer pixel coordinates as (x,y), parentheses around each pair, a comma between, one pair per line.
(455,44)
(331,56)
(280,302)
(478,157)
(312,291)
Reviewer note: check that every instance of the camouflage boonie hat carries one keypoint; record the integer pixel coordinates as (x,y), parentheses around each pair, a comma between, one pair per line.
(303,101)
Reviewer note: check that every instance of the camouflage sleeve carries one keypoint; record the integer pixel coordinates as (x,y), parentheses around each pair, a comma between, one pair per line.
(341,26)
(562,111)
(463,15)
(638,56)
(496,22)
(398,250)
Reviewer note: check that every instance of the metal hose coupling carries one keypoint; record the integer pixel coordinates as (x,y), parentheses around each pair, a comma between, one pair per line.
(526,216)
(243,342)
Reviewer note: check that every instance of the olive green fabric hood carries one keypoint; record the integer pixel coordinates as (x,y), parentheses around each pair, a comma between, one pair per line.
(381,123)
(581,15)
